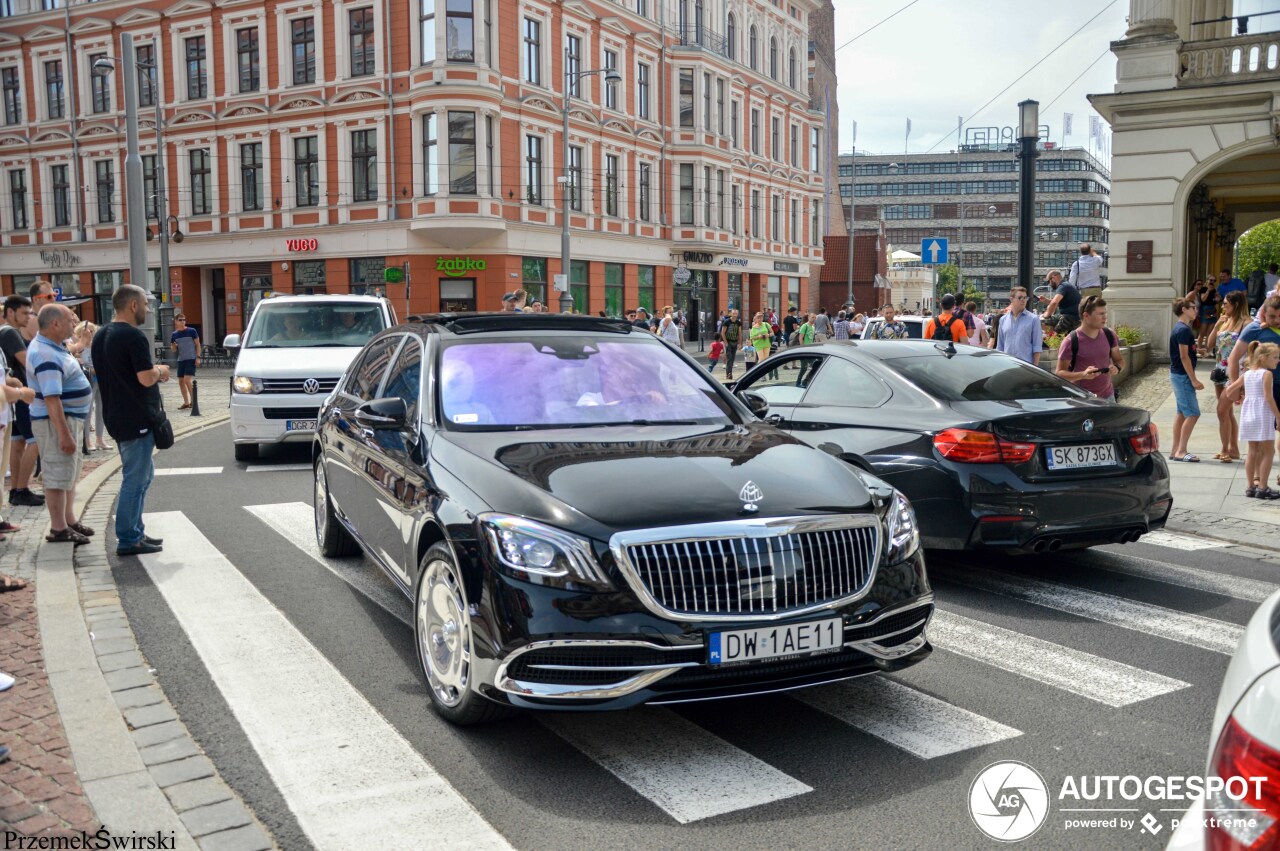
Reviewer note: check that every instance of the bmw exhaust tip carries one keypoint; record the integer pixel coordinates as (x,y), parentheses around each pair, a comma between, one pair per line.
(1054,545)
(1038,547)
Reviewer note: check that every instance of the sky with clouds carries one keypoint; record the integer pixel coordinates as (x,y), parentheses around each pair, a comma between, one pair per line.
(940,59)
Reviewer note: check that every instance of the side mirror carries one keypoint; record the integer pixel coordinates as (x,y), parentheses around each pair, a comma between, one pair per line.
(757,403)
(388,413)
(231,342)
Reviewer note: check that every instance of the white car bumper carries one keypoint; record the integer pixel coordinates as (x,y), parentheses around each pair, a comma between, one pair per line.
(267,417)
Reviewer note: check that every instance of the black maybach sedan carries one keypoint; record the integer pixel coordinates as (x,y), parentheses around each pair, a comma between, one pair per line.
(585,519)
(992,452)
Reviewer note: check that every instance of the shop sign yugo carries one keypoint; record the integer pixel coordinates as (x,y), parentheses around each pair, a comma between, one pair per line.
(307,244)
(455,266)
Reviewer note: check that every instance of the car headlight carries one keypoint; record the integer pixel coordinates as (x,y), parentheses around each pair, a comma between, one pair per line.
(902,534)
(245,384)
(537,553)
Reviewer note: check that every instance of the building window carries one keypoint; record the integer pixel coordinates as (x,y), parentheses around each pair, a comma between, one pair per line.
(795,220)
(533,278)
(430,155)
(775,149)
(304,51)
(573,70)
(647,290)
(755,131)
(613,289)
(201,202)
(735,197)
(573,187)
(364,165)
(642,8)
(459,31)
(99,87)
(706,196)
(488,147)
(814,162)
(308,277)
(791,68)
(427,28)
(360,31)
(145,54)
(775,222)
(642,90)
(251,176)
(646,178)
(731,37)
(686,97)
(151,186)
(197,79)
(686,193)
(306,171)
(533,51)
(720,196)
(755,213)
(18,198)
(610,89)
(706,102)
(12,95)
(733,124)
(720,106)
(61,196)
(794,150)
(773,58)
(488,34)
(533,169)
(610,185)
(462,153)
(367,274)
(105,184)
(813,223)
(247,58)
(53,88)
(752,47)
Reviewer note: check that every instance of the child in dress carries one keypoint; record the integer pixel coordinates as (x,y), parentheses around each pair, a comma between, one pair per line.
(1258,417)
(717,352)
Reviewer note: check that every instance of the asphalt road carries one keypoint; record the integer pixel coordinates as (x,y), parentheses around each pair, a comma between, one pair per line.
(1101,663)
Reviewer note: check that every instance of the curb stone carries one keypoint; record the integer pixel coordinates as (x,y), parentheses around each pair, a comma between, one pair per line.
(141,769)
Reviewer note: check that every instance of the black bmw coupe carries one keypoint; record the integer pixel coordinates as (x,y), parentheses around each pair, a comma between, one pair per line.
(585,519)
(991,451)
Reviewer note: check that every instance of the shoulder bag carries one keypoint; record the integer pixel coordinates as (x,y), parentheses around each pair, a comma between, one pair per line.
(161,429)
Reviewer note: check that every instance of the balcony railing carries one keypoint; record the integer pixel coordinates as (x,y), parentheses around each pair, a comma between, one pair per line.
(1230,60)
(698,35)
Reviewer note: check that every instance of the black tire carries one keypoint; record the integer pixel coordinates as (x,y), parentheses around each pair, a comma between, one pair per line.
(333,538)
(449,672)
(246,451)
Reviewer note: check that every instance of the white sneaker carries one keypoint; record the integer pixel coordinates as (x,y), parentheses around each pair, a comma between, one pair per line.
(6,681)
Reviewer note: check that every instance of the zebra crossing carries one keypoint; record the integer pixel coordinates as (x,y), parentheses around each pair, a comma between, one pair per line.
(685,769)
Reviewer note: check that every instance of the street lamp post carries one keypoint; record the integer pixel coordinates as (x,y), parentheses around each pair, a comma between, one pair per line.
(1028,136)
(611,75)
(853,207)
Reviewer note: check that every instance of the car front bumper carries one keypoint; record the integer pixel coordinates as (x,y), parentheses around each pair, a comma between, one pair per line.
(264,417)
(543,648)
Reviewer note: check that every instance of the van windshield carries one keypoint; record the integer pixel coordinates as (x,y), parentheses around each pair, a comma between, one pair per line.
(298,325)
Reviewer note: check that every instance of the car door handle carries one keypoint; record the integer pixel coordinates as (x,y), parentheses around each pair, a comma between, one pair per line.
(775,419)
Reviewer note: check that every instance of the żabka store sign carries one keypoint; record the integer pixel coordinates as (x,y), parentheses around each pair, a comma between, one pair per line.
(457,266)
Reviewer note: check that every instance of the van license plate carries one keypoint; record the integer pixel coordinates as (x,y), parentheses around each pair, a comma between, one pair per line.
(300,425)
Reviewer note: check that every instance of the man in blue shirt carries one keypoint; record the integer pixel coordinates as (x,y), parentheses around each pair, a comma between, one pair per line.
(1182,375)
(186,342)
(1229,284)
(1020,333)
(63,399)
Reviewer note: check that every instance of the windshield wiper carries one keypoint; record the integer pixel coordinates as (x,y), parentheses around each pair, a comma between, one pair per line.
(264,346)
(332,345)
(655,422)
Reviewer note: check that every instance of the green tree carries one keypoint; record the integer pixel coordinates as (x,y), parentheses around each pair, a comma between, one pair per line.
(948,281)
(1258,248)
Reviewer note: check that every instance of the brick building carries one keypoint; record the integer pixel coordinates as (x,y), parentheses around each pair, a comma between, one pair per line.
(310,144)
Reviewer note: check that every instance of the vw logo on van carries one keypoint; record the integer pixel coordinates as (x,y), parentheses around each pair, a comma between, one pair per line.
(311,386)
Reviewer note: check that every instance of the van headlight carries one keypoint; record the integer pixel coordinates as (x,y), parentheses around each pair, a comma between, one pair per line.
(542,554)
(902,534)
(244,384)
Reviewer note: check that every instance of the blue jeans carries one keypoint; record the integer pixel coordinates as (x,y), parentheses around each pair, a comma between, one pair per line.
(1184,394)
(136,473)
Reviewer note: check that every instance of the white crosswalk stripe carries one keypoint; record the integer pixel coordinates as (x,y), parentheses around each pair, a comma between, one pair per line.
(295,521)
(1195,630)
(688,772)
(916,722)
(276,468)
(188,471)
(1173,541)
(304,719)
(1238,587)
(1102,680)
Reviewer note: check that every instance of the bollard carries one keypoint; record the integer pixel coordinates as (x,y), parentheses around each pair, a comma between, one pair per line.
(195,399)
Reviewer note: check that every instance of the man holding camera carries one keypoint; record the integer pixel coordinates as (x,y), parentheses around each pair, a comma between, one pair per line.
(1086,272)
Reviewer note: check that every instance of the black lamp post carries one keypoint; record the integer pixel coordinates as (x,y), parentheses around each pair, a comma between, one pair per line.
(1028,136)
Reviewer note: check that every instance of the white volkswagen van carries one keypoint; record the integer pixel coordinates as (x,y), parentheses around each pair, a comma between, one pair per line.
(291,356)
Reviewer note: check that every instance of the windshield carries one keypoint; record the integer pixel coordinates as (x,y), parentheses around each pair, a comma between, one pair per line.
(982,377)
(301,325)
(915,330)
(555,382)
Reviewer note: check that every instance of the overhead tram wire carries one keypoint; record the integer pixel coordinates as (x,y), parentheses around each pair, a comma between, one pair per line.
(1077,79)
(1038,63)
(885,20)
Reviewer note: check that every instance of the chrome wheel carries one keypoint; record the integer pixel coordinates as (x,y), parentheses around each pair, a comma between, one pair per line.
(444,633)
(321,502)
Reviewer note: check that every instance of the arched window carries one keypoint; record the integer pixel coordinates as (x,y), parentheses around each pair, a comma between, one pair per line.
(791,68)
(773,58)
(731,37)
(751,49)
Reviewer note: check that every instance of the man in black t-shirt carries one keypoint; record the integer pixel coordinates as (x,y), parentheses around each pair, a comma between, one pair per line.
(130,399)
(1066,301)
(22,450)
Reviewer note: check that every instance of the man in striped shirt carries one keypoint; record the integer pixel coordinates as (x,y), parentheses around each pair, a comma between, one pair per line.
(63,399)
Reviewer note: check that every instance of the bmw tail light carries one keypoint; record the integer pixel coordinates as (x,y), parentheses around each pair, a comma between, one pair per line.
(1248,822)
(1147,442)
(968,446)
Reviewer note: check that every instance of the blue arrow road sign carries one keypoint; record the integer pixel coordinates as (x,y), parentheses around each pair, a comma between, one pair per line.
(933,250)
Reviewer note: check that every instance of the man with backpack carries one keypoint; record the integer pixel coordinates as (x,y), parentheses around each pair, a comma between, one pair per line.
(946,326)
(731,333)
(1090,354)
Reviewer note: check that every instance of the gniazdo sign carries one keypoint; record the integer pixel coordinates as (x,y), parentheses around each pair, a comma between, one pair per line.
(456,266)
